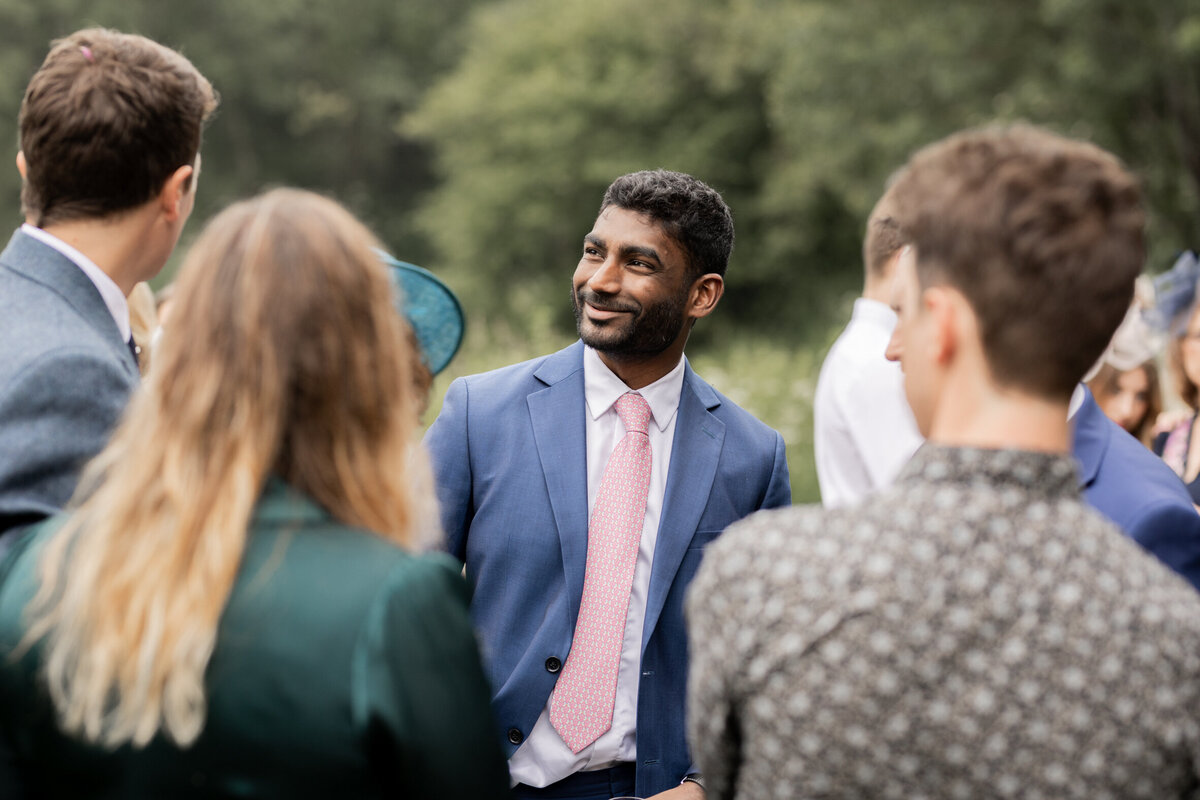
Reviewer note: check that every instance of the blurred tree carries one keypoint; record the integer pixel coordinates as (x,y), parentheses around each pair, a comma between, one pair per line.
(310,92)
(552,101)
(860,84)
(1129,75)
(796,111)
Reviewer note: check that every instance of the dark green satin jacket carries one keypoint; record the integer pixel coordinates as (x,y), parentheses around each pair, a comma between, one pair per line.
(344,667)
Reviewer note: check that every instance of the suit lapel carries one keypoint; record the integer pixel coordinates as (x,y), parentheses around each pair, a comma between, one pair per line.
(559,433)
(1090,439)
(44,265)
(699,437)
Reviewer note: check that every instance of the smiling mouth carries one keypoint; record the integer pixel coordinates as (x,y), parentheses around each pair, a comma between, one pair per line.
(603,312)
(600,310)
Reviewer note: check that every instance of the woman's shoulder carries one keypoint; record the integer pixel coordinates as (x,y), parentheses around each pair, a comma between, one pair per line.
(350,565)
(423,603)
(288,521)
(19,562)
(419,576)
(20,578)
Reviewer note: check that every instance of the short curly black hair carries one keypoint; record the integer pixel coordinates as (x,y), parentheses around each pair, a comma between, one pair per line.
(690,211)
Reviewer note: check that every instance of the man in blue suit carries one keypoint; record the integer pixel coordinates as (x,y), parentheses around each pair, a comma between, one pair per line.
(1135,489)
(520,456)
(109,135)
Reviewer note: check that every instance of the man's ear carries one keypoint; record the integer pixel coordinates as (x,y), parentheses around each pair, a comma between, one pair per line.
(174,190)
(21,166)
(705,293)
(945,307)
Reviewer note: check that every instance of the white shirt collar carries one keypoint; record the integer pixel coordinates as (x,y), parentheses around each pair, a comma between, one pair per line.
(1077,397)
(875,312)
(601,388)
(110,293)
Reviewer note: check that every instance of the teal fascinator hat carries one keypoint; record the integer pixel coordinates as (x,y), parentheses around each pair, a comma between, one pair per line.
(430,307)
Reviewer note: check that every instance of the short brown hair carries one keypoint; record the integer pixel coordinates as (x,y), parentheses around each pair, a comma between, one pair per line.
(105,121)
(1043,235)
(884,238)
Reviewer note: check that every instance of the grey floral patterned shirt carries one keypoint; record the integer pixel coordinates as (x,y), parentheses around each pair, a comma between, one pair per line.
(973,632)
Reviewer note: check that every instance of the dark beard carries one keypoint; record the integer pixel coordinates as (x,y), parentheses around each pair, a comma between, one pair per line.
(647,332)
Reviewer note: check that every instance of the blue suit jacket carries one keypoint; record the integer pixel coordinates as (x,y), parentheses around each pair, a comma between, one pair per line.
(1131,486)
(510,459)
(65,377)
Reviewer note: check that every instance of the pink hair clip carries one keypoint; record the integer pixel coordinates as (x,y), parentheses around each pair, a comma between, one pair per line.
(87,53)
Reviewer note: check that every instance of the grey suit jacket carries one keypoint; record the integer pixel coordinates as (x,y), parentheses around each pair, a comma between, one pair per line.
(65,377)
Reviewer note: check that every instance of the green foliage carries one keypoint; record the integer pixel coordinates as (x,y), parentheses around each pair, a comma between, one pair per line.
(796,111)
(311,92)
(551,102)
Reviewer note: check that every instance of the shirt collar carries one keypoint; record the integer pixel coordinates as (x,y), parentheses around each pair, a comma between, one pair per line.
(601,388)
(1042,475)
(110,293)
(1076,401)
(873,311)
(281,502)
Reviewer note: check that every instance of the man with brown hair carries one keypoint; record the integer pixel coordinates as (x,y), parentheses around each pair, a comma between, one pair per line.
(976,630)
(863,430)
(110,131)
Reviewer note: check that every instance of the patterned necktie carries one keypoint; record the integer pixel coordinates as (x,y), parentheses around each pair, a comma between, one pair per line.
(582,708)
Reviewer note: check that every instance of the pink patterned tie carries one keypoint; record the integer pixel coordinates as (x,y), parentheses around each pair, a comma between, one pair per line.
(582,708)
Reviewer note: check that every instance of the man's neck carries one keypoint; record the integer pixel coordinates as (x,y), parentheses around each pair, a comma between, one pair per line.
(117,245)
(877,284)
(638,370)
(878,289)
(1000,418)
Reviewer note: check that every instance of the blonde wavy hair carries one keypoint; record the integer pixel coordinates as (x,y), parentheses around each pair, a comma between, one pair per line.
(284,357)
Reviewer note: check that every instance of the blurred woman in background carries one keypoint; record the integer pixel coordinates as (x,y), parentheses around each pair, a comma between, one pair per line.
(1177,312)
(235,606)
(1125,380)
(1130,397)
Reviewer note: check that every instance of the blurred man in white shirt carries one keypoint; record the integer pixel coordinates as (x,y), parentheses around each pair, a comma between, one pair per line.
(864,431)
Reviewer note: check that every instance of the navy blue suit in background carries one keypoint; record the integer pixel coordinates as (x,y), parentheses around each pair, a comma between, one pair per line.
(1134,488)
(510,458)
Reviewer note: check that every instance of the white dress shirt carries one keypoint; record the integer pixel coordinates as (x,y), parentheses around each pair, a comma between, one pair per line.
(110,293)
(863,429)
(544,758)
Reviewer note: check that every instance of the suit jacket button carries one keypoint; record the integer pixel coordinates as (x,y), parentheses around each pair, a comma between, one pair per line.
(515,736)
(553,664)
